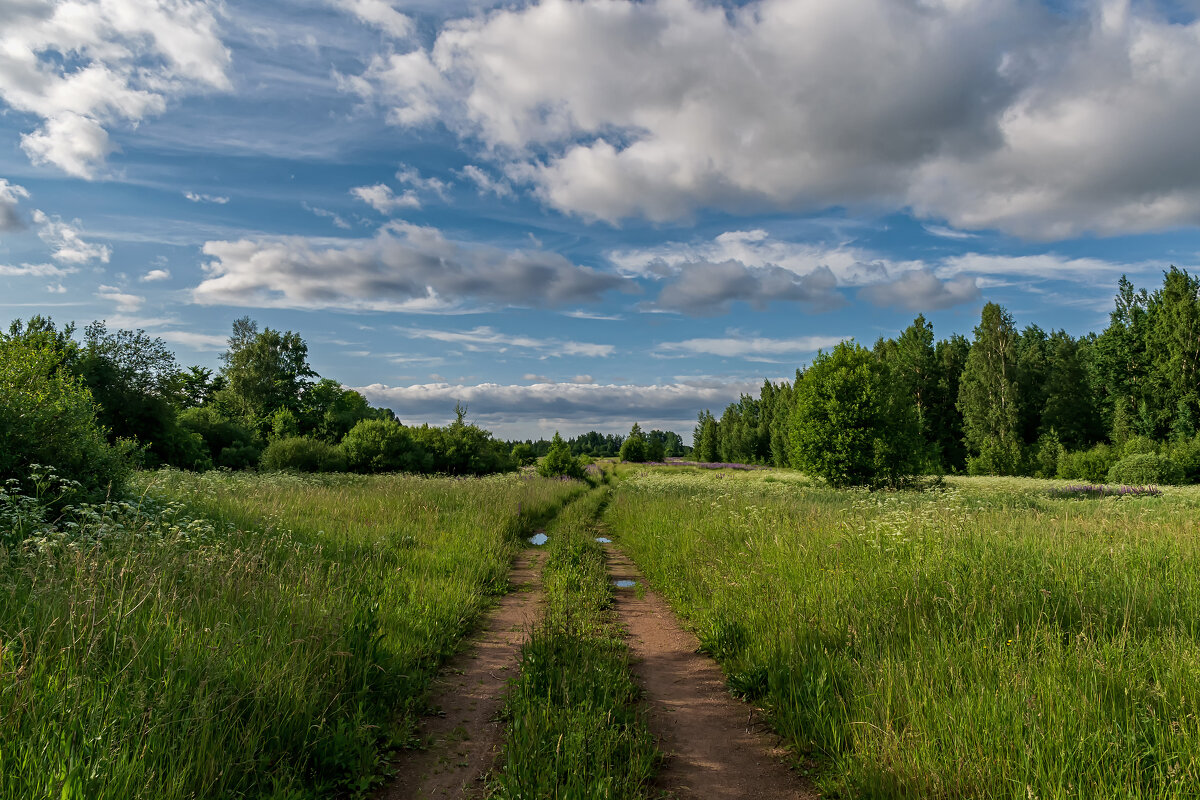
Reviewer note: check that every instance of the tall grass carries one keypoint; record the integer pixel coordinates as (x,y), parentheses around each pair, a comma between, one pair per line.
(982,641)
(238,635)
(574,728)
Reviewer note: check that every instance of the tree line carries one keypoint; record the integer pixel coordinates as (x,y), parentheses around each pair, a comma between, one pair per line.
(98,405)
(1121,405)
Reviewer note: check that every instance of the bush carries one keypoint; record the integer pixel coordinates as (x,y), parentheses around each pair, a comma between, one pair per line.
(47,417)
(1186,453)
(1138,445)
(1145,468)
(229,443)
(523,454)
(383,445)
(996,457)
(1045,455)
(301,454)
(1088,465)
(559,462)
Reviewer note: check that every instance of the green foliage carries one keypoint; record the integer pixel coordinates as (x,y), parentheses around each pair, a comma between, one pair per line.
(47,417)
(559,462)
(263,373)
(1088,465)
(230,444)
(634,448)
(1145,468)
(987,395)
(523,454)
(381,445)
(302,454)
(850,425)
(706,438)
(284,424)
(1046,454)
(1186,453)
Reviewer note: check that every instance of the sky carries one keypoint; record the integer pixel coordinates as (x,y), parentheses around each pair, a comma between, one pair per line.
(576,214)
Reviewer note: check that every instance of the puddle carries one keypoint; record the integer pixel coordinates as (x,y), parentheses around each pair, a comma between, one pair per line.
(603,540)
(539,539)
(624,584)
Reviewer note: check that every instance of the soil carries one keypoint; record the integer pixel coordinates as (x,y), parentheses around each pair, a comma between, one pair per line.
(464,738)
(717,747)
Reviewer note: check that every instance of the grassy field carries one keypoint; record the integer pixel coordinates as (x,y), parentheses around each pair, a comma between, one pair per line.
(574,729)
(239,635)
(983,640)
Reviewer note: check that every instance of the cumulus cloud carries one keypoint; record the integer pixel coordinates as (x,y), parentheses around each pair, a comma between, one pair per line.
(736,345)
(206,198)
(513,410)
(483,338)
(83,66)
(204,342)
(986,115)
(706,289)
(410,176)
(403,268)
(921,290)
(381,198)
(10,195)
(156,275)
(67,242)
(485,183)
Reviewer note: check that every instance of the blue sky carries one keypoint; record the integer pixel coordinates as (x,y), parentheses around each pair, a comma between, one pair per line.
(575,215)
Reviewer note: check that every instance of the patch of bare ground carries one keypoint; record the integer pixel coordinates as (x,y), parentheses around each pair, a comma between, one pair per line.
(716,747)
(465,736)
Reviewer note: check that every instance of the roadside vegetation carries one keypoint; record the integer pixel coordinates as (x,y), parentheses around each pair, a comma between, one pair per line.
(983,640)
(236,635)
(574,726)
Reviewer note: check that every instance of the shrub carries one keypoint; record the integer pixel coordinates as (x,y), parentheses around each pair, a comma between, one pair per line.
(47,417)
(1145,468)
(559,462)
(230,444)
(383,445)
(302,454)
(634,449)
(1088,465)
(996,457)
(1186,453)
(1138,445)
(1045,455)
(523,454)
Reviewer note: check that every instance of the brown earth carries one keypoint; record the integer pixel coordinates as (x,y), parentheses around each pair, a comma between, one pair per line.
(717,748)
(464,739)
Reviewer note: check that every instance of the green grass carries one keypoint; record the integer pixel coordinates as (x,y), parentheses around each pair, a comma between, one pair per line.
(982,641)
(239,635)
(574,727)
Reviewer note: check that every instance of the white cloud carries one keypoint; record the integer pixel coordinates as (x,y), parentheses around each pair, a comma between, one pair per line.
(921,290)
(68,244)
(513,409)
(336,219)
(1042,265)
(381,198)
(156,275)
(736,345)
(487,339)
(986,115)
(85,65)
(126,303)
(579,313)
(380,14)
(10,196)
(205,342)
(36,270)
(56,288)
(403,268)
(949,233)
(410,176)
(485,183)
(206,198)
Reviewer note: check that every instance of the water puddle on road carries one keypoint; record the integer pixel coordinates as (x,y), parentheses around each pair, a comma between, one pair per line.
(539,539)
(603,540)
(624,584)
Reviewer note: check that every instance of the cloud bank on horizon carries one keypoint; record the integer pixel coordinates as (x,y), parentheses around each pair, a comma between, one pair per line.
(449,199)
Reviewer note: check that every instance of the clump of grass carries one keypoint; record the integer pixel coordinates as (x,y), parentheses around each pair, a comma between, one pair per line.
(574,727)
(984,640)
(227,635)
(1089,491)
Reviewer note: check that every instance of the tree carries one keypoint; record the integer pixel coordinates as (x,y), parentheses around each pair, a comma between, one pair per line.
(263,373)
(559,462)
(850,423)
(47,417)
(523,454)
(1070,408)
(634,449)
(380,445)
(704,439)
(946,420)
(987,396)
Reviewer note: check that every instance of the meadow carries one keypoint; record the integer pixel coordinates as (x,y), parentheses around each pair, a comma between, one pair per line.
(980,640)
(237,635)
